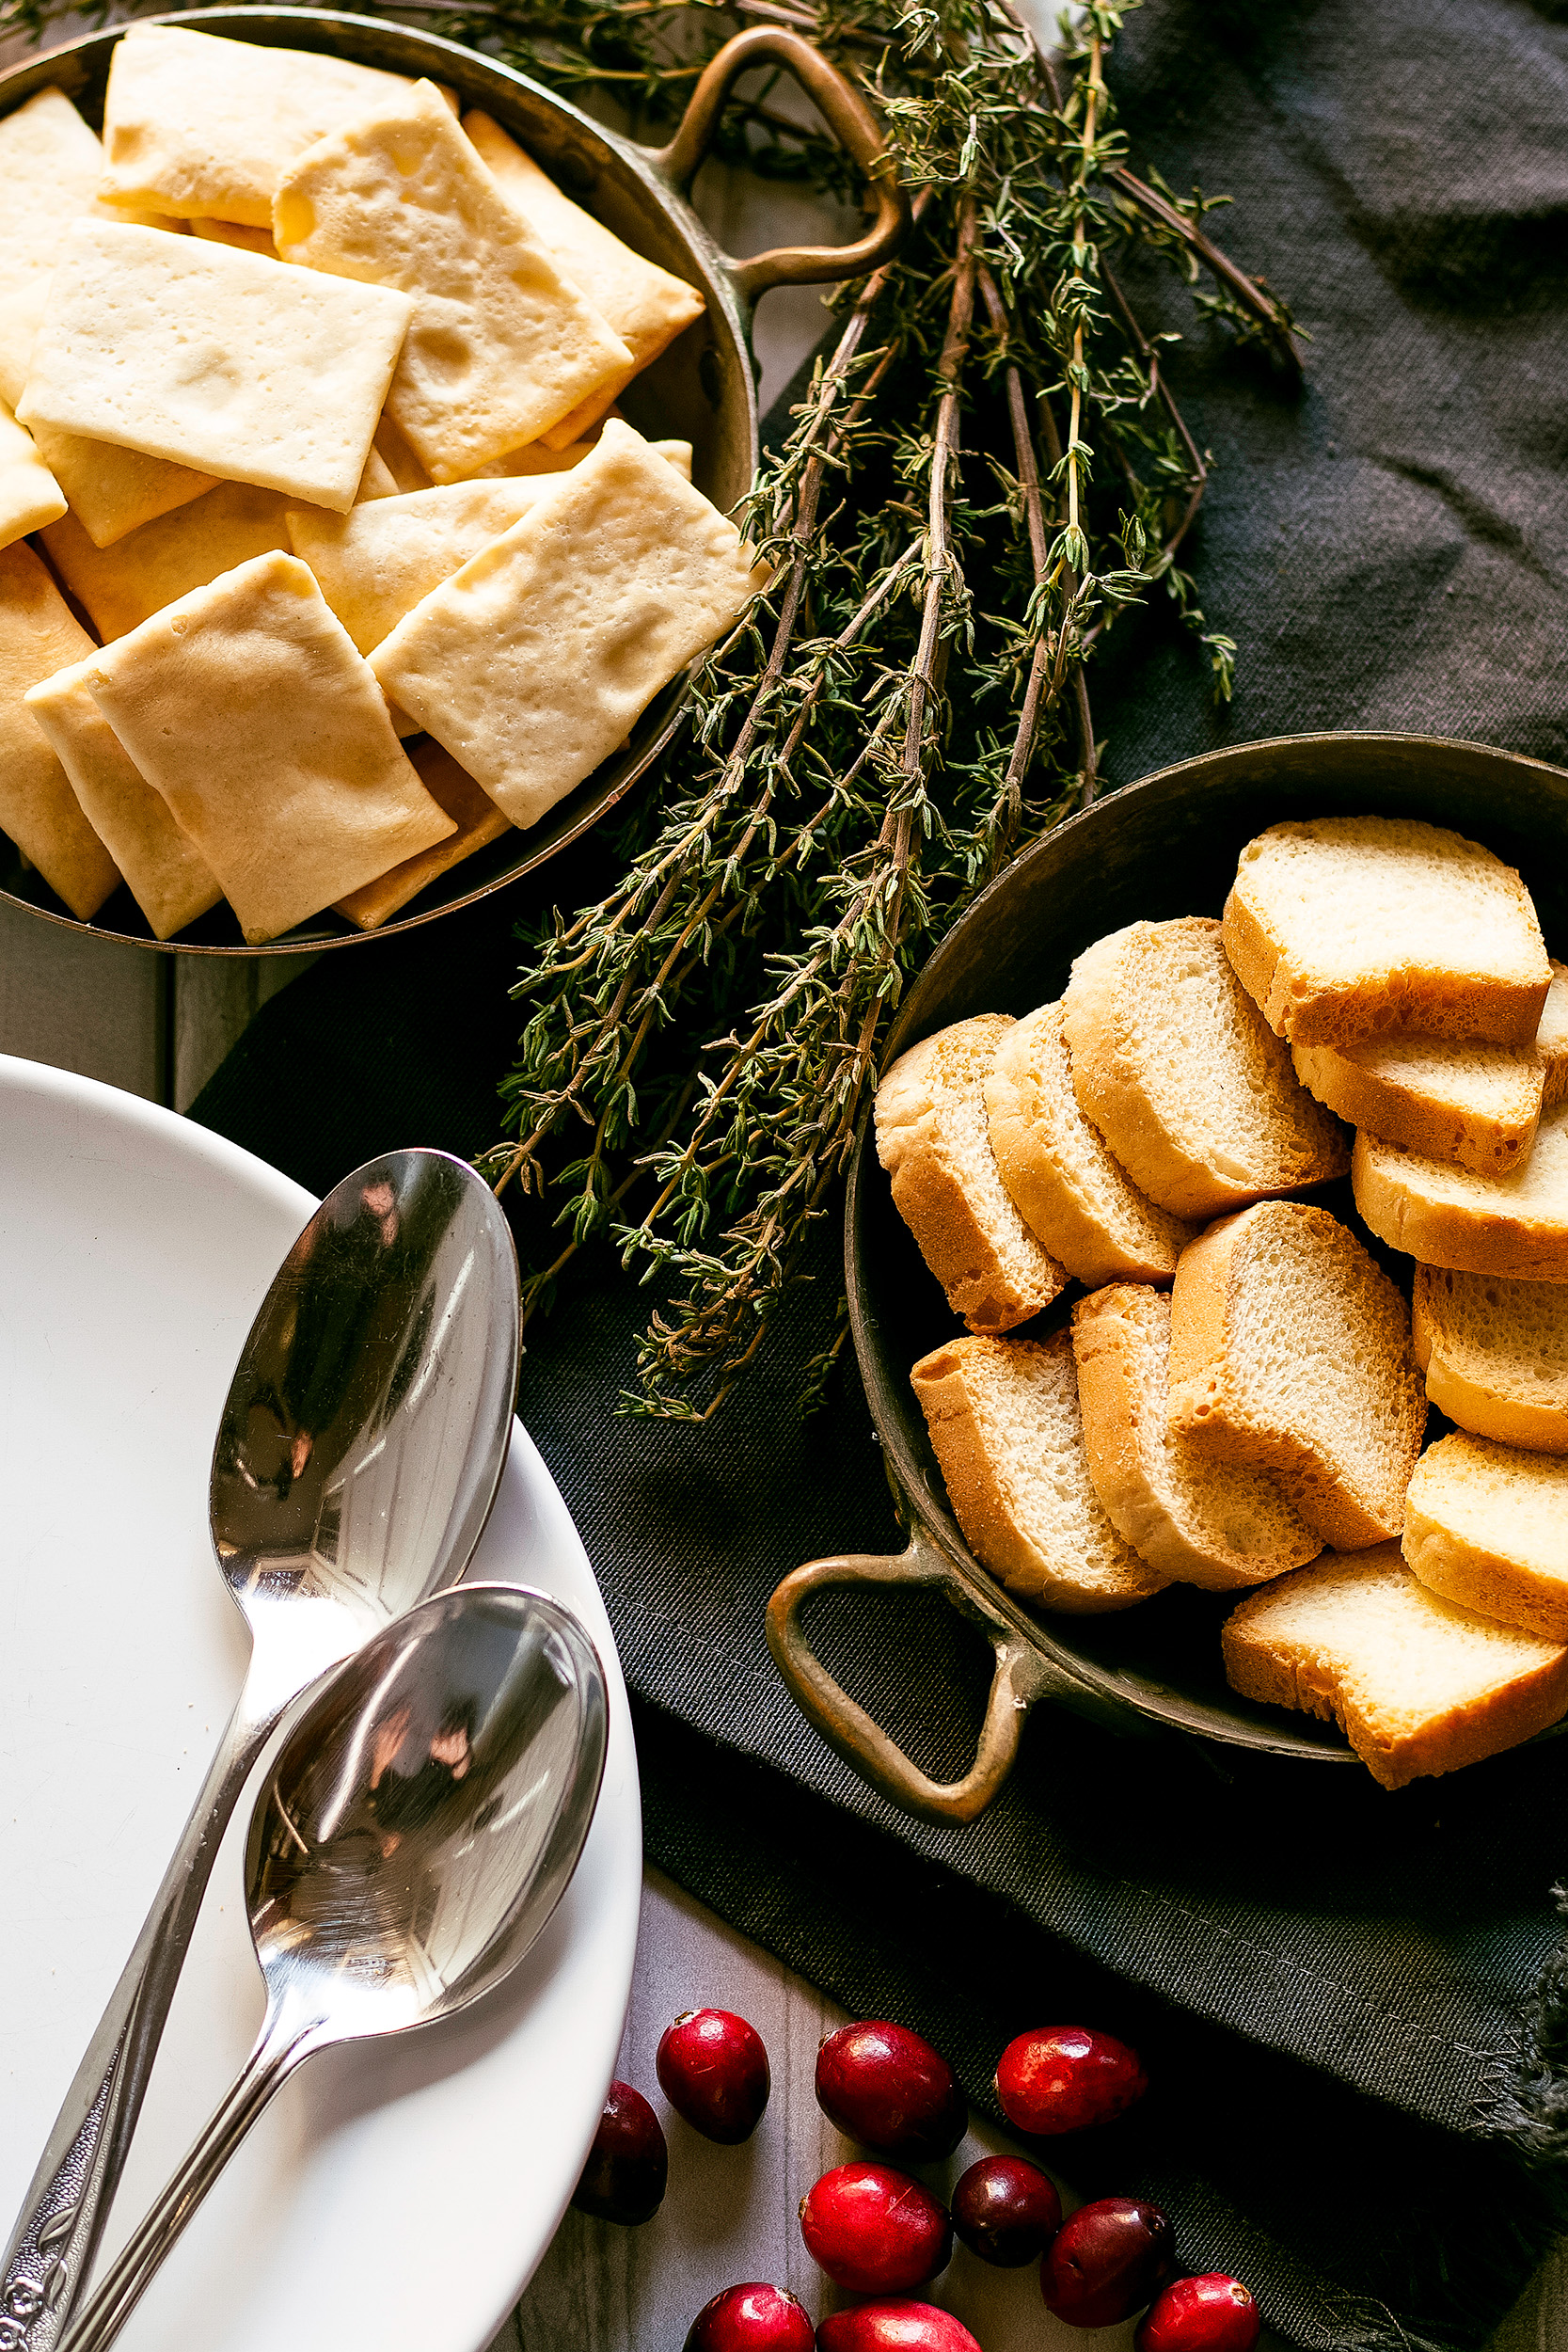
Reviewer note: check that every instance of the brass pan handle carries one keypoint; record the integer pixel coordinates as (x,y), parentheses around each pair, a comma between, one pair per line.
(1021,1676)
(852,123)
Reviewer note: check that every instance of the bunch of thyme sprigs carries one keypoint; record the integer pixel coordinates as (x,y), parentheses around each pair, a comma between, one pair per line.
(989,465)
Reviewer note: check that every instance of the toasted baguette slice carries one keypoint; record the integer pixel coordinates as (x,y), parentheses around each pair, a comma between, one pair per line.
(1449,1098)
(933,1140)
(1486,1525)
(1348,927)
(1417,1684)
(1006,1432)
(1197,1520)
(1495,1354)
(1290,1349)
(1446,1216)
(1184,1078)
(1071,1193)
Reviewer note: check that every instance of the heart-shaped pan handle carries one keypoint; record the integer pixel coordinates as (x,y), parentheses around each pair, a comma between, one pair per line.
(852,123)
(1022,1675)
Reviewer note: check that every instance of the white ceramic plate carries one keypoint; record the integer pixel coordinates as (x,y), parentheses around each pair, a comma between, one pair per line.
(393,2198)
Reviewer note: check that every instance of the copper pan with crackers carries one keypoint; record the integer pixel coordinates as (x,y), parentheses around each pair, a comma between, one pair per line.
(664,372)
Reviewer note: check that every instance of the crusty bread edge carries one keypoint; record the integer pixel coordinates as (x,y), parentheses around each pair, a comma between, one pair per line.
(1471,1241)
(978,1503)
(1257,1669)
(1493,1147)
(1538,1428)
(1256,961)
(1116,1441)
(1045,1197)
(1199,1307)
(933,1204)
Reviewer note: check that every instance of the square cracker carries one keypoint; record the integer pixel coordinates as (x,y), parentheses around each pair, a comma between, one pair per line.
(479,822)
(216,358)
(203,128)
(39,635)
(377,564)
(121,587)
(113,492)
(532,663)
(49,167)
(168,877)
(247,707)
(648,307)
(500,344)
(110,491)
(29,494)
(374,567)
(540,457)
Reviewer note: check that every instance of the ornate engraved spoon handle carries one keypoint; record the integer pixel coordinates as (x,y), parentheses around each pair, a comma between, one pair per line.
(274,2057)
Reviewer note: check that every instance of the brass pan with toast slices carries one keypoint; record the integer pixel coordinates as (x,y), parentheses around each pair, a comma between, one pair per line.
(701,388)
(1159,849)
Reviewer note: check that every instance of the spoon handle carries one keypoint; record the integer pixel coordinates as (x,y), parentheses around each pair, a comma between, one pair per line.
(56,2236)
(274,2057)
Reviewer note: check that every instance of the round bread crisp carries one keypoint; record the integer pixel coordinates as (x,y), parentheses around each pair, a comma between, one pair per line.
(1202,1521)
(1290,1349)
(1446,1216)
(1486,1525)
(1495,1352)
(933,1140)
(1008,1435)
(1068,1186)
(1183,1077)
(1349,927)
(1417,1684)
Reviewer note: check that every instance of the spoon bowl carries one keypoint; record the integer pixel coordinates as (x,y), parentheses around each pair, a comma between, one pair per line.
(416,1832)
(364,1433)
(426,1813)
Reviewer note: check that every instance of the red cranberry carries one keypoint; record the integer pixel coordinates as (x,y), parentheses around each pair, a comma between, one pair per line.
(753,2318)
(1005,2210)
(1106,2262)
(713,2069)
(1209,2314)
(895,2328)
(1064,2078)
(886,2086)
(875,2231)
(627,2165)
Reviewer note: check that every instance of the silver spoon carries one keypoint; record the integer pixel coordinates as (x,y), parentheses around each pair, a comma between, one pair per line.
(360,1449)
(416,1832)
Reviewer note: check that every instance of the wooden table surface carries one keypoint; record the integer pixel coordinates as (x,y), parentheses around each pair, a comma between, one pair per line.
(158,1027)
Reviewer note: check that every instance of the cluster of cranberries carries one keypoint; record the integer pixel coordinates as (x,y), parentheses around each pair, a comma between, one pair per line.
(877,2232)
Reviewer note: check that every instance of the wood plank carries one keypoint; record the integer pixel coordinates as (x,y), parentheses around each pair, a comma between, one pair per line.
(83,1003)
(215,999)
(730,2212)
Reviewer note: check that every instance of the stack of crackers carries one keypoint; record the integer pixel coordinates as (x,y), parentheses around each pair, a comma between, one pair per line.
(307,407)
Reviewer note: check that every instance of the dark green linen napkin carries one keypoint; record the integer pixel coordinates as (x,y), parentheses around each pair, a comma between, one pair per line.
(1356,2104)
